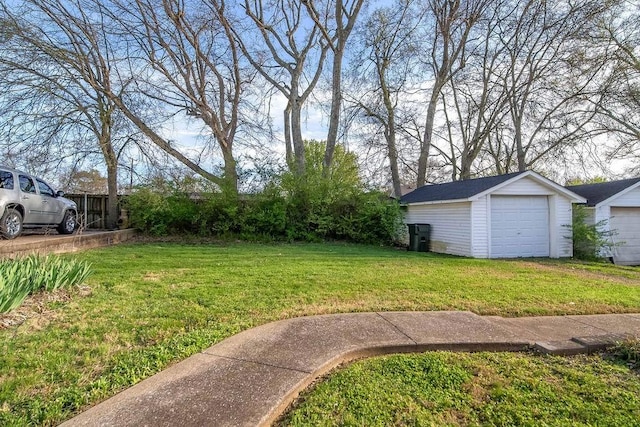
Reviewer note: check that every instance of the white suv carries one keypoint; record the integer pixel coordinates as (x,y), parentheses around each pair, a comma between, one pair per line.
(29,202)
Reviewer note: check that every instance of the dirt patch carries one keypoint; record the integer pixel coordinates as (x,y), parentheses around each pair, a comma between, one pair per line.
(37,307)
(153,277)
(581,272)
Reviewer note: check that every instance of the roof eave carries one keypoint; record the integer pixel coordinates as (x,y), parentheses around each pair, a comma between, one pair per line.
(618,194)
(575,198)
(436,202)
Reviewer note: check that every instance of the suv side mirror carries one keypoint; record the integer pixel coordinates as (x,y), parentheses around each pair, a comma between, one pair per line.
(59,193)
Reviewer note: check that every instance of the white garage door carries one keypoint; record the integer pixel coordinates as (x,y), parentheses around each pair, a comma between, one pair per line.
(519,226)
(626,222)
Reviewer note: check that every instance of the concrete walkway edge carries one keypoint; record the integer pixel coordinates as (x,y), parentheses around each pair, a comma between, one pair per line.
(45,244)
(251,378)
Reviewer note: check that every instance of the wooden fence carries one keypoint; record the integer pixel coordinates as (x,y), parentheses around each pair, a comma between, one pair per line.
(93,210)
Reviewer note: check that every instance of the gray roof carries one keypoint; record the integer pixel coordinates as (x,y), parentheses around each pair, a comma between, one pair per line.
(456,190)
(597,193)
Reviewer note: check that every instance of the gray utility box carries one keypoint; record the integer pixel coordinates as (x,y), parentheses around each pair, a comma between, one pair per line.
(419,237)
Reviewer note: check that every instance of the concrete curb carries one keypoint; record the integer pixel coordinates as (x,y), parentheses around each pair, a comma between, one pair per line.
(250,378)
(47,244)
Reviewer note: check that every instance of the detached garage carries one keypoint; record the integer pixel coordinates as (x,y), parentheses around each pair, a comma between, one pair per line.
(516,215)
(616,205)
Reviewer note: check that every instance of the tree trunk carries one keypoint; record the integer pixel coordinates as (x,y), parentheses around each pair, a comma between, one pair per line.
(520,153)
(111,161)
(393,160)
(428,135)
(230,172)
(112,198)
(296,137)
(287,137)
(334,118)
(465,166)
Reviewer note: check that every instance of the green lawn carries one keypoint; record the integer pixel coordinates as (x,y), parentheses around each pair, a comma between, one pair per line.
(154,304)
(483,389)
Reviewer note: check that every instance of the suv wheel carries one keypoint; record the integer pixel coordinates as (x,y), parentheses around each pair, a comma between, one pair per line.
(11,224)
(68,224)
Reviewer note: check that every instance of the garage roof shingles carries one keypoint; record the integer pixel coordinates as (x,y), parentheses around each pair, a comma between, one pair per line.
(597,193)
(455,190)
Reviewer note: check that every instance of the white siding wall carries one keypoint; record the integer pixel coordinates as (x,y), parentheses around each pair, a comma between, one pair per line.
(630,199)
(524,187)
(603,215)
(563,221)
(450,226)
(481,227)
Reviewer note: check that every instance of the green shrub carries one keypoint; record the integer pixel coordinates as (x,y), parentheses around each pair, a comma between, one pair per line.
(314,207)
(378,219)
(589,240)
(220,215)
(24,276)
(264,216)
(149,211)
(300,214)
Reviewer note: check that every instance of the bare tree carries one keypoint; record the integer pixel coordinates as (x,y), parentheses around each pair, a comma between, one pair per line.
(520,97)
(290,56)
(382,72)
(546,76)
(475,102)
(56,59)
(196,68)
(618,108)
(345,14)
(446,51)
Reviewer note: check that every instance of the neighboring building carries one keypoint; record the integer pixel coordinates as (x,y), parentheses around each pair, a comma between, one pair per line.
(615,206)
(404,189)
(520,214)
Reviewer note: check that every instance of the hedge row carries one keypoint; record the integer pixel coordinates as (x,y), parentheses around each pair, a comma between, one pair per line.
(356,216)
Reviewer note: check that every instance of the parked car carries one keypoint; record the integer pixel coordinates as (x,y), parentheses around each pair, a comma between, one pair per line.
(28,202)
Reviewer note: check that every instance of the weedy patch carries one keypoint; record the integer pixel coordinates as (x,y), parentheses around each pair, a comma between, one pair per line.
(627,352)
